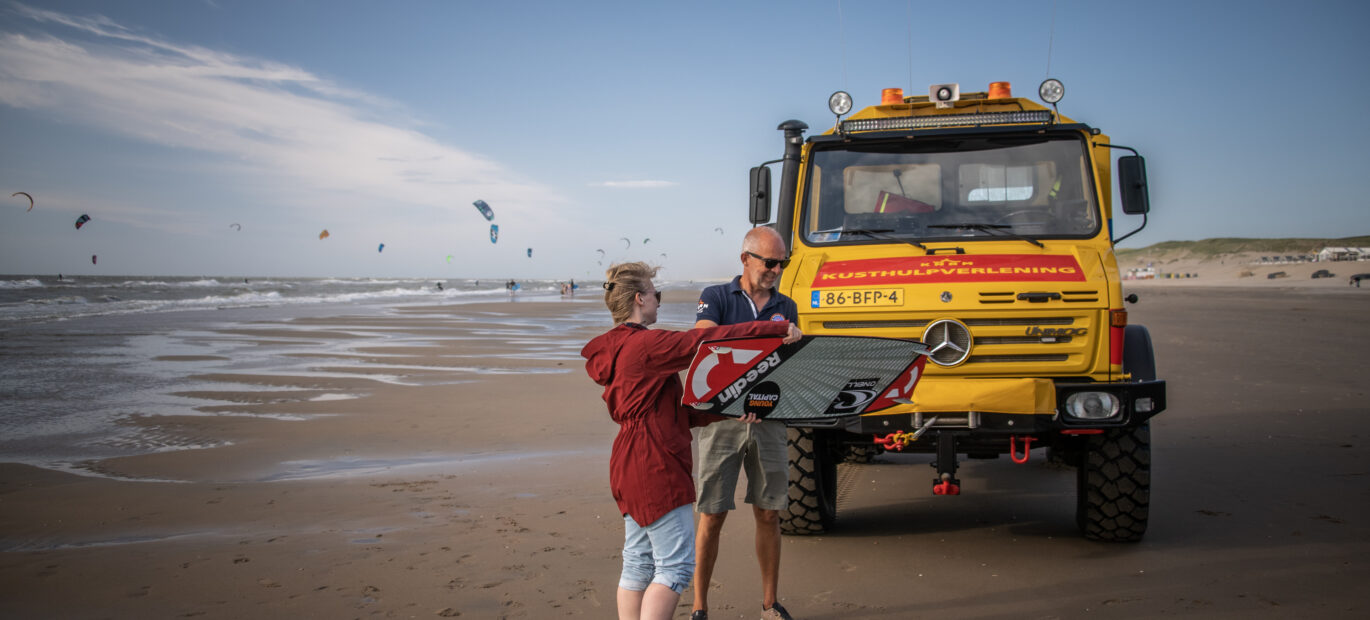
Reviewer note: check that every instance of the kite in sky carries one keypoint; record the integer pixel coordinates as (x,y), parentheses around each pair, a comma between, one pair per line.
(485,209)
(380,248)
(26,195)
(323,235)
(530,252)
(81,221)
(626,243)
(494,233)
(236,226)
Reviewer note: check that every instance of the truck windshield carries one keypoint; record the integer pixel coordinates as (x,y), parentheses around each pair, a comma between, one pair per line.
(947,188)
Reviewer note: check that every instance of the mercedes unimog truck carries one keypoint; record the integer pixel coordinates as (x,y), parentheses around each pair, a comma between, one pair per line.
(982,225)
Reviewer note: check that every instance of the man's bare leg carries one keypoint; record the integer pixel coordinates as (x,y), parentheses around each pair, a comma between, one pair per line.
(707,535)
(767,553)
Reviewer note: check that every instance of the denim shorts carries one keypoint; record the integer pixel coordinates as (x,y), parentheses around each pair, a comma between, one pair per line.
(726,448)
(663,552)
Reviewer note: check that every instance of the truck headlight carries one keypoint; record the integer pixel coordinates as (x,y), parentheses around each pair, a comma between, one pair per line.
(1092,406)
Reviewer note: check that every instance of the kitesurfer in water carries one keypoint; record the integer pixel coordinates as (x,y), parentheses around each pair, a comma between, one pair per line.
(440,286)
(650,464)
(760,448)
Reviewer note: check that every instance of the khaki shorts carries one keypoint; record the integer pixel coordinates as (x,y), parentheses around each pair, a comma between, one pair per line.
(725,448)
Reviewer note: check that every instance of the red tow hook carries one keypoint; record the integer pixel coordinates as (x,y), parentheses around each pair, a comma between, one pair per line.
(946,488)
(895,441)
(1013,448)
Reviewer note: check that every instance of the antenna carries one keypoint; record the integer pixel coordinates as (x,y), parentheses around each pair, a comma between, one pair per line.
(842,31)
(1051,36)
(910,84)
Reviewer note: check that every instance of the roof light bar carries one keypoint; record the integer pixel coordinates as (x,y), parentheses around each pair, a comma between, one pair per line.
(947,120)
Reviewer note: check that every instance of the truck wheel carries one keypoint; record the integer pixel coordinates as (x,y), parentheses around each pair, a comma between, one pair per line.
(859,454)
(813,484)
(1139,359)
(1113,489)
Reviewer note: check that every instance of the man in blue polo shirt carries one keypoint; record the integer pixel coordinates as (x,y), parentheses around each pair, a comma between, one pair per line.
(726,449)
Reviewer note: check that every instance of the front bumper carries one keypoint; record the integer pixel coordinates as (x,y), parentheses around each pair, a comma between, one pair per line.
(1014,406)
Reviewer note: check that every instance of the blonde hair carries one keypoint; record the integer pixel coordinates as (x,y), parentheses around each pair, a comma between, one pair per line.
(622,283)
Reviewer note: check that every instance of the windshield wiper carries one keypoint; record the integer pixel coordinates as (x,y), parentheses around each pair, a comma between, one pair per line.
(991,229)
(878,234)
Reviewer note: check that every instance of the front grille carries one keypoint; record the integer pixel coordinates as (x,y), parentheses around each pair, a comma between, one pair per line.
(1019,321)
(1016,359)
(1012,341)
(1011,297)
(873,324)
(992,340)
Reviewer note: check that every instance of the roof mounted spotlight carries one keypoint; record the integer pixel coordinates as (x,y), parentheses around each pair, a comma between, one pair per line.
(839,103)
(944,95)
(1051,91)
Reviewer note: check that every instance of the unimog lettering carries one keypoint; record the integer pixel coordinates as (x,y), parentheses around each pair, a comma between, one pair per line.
(1056,331)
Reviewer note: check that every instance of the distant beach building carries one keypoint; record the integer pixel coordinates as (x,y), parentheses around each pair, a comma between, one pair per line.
(1140,273)
(1343,253)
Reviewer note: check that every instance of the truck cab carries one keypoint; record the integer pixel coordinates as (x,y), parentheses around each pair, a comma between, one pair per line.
(981,225)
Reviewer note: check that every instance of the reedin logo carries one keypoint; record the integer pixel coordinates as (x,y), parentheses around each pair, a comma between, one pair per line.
(725,363)
(732,391)
(857,394)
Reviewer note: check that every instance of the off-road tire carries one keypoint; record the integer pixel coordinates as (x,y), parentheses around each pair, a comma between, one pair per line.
(861,454)
(1113,487)
(813,484)
(1139,358)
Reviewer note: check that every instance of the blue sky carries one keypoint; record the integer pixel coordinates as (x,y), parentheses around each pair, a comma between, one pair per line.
(584,123)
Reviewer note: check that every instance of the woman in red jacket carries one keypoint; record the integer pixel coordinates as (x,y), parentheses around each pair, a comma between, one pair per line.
(650,468)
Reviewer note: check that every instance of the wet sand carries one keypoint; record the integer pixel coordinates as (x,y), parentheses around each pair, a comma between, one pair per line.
(488,497)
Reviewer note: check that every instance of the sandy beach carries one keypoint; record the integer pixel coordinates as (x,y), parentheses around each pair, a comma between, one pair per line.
(457,467)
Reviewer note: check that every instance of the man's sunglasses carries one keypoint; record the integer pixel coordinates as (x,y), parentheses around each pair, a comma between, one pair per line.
(770,263)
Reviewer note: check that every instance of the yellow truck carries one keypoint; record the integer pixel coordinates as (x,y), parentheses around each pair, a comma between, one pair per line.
(980,224)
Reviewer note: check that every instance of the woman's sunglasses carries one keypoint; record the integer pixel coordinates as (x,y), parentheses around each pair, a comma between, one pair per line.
(770,263)
(658,295)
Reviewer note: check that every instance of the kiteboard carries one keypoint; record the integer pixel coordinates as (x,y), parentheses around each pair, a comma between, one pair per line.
(818,377)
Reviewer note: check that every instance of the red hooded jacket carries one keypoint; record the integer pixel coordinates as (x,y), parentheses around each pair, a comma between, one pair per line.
(651,471)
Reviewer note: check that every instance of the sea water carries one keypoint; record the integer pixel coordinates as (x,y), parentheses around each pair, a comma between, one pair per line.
(82,357)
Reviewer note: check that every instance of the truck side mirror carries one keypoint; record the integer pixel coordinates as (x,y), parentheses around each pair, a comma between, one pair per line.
(760,197)
(1132,185)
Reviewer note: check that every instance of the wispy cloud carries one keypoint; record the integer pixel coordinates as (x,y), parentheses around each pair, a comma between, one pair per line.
(277,121)
(635,184)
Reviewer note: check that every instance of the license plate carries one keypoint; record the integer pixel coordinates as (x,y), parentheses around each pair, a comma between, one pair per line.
(857,298)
